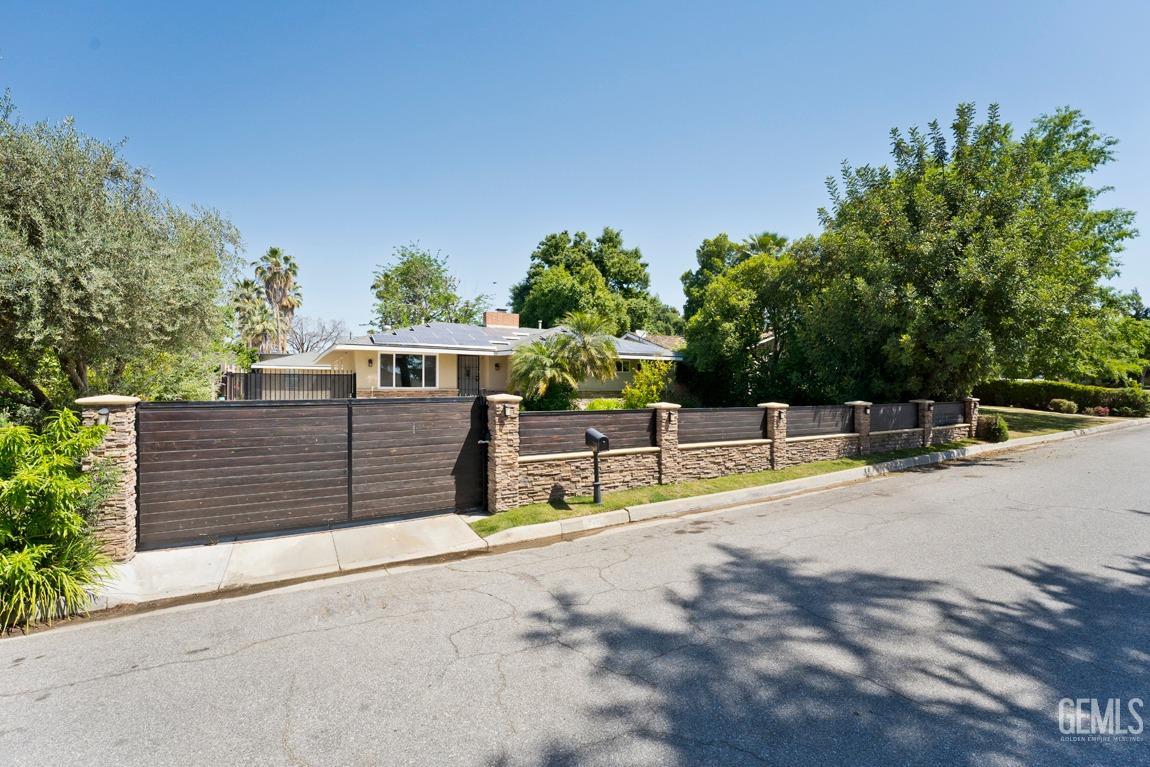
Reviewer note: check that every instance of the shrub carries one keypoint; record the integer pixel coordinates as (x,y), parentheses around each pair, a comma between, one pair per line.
(1037,394)
(1063,406)
(997,430)
(49,559)
(649,384)
(559,396)
(605,403)
(1101,410)
(1125,412)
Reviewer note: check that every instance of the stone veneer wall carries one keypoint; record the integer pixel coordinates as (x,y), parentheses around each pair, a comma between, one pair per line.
(115,522)
(560,477)
(720,460)
(828,448)
(899,439)
(952,433)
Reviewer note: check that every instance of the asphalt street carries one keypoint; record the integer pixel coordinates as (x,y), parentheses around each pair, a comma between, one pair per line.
(932,617)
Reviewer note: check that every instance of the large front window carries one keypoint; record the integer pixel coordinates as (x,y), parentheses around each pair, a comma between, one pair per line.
(408,371)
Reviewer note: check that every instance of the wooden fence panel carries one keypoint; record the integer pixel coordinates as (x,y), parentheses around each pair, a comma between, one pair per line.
(217,470)
(214,470)
(562,431)
(417,456)
(721,424)
(283,385)
(807,421)
(948,413)
(899,415)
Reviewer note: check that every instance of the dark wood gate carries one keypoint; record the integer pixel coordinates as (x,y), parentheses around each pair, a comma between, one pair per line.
(215,470)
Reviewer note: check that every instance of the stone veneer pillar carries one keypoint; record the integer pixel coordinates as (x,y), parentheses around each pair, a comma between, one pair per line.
(970,414)
(777,432)
(502,452)
(115,522)
(862,423)
(925,419)
(667,440)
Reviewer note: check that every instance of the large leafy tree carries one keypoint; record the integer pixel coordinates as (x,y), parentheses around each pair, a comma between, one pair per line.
(417,287)
(718,254)
(578,273)
(99,276)
(979,254)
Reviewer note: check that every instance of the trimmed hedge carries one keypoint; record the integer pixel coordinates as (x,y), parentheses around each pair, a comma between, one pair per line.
(1038,394)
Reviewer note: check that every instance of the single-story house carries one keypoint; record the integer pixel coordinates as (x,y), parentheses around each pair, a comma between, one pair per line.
(450,359)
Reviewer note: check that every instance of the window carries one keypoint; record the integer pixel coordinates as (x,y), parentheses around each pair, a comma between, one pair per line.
(408,371)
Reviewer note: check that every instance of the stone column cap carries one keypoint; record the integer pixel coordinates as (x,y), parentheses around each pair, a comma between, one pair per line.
(774,405)
(972,399)
(504,399)
(664,405)
(858,402)
(107,400)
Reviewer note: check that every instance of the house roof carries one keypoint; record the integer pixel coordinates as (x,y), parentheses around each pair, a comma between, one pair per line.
(674,343)
(291,361)
(461,339)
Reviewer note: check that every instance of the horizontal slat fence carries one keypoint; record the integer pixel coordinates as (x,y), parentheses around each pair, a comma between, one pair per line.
(542,432)
(892,416)
(721,424)
(214,470)
(283,385)
(416,456)
(808,421)
(948,413)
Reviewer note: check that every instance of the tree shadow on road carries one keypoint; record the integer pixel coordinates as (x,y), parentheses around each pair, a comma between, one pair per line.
(767,660)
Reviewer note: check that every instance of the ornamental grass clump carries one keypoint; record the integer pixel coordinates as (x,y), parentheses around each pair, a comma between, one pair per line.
(50,562)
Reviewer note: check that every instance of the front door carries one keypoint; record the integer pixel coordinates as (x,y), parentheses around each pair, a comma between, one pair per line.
(468,376)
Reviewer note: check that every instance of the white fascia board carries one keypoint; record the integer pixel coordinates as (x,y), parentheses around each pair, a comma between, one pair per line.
(668,357)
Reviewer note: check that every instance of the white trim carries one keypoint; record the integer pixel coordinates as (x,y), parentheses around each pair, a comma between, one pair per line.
(897,431)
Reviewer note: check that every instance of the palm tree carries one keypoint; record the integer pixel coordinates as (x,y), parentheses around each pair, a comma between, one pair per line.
(586,348)
(539,365)
(277,271)
(254,322)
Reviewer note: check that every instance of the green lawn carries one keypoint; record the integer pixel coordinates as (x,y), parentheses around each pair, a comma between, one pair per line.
(1030,423)
(578,506)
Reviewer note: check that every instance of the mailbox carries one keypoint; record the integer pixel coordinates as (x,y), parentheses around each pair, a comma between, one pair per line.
(596,440)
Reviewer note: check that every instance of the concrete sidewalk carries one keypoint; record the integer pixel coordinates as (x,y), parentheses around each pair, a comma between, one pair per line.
(181,572)
(153,576)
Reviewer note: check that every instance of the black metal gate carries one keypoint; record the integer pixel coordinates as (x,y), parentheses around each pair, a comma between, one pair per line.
(212,470)
(468,376)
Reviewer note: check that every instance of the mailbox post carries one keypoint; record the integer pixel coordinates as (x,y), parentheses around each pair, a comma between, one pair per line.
(597,441)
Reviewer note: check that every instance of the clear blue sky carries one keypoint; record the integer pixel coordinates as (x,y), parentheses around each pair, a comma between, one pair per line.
(339,130)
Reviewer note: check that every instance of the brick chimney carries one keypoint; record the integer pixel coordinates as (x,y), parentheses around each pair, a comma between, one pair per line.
(500,318)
